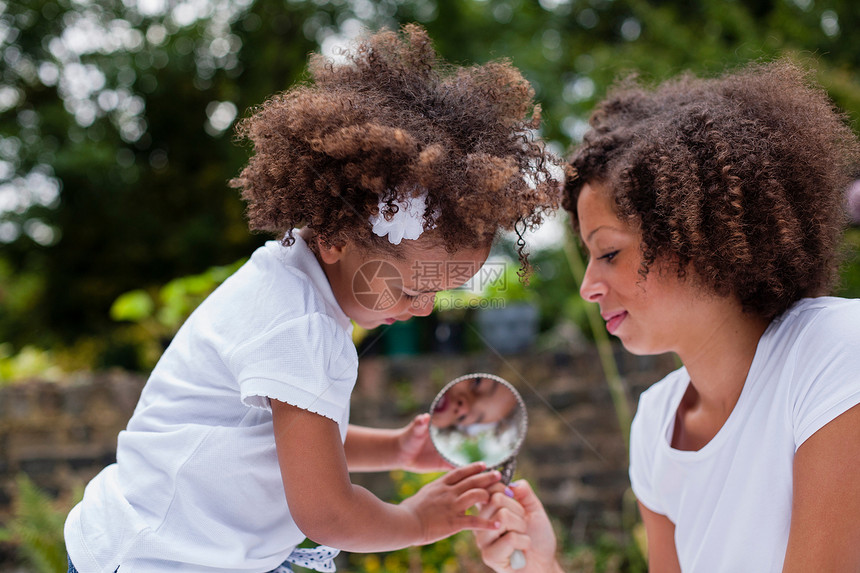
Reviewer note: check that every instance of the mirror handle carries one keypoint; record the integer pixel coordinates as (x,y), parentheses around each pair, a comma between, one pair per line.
(518,559)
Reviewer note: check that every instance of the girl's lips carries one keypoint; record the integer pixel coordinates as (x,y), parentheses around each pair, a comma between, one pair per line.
(390,320)
(441,404)
(614,320)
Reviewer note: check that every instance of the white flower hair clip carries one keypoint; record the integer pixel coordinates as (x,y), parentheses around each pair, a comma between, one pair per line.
(406,223)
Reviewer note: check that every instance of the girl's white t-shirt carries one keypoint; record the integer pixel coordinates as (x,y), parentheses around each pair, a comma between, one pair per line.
(197,486)
(731,500)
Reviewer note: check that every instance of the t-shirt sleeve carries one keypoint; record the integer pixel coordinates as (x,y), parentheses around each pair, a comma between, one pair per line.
(826,380)
(309,362)
(643,433)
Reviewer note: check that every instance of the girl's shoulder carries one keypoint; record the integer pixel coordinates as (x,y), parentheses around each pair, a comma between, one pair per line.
(287,281)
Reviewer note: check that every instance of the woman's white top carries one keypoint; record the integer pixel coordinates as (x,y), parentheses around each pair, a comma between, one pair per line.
(731,500)
(197,486)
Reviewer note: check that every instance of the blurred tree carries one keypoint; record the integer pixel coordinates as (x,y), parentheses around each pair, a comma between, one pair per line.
(116,147)
(115,116)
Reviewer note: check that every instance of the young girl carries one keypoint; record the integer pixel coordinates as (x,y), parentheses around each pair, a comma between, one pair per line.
(388,178)
(712,211)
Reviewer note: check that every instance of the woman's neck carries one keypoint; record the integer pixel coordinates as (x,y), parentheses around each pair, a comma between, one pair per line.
(718,359)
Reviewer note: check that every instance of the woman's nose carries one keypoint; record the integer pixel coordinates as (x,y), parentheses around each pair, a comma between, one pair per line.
(592,287)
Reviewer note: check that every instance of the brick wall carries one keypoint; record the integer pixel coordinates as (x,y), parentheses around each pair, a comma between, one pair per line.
(62,434)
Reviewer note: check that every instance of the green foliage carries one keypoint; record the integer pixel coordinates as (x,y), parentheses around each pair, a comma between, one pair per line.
(175,301)
(28,362)
(850,284)
(134,306)
(36,527)
(606,555)
(508,287)
(116,181)
(157,317)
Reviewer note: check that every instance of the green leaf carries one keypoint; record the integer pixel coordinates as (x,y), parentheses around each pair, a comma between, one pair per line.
(133,306)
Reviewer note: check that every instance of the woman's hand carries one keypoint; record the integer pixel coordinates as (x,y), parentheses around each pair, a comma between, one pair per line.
(439,507)
(416,451)
(524,526)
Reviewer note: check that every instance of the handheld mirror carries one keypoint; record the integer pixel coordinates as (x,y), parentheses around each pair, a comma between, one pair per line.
(480,417)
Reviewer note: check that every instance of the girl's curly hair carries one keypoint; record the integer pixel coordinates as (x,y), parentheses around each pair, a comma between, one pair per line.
(741,177)
(393,119)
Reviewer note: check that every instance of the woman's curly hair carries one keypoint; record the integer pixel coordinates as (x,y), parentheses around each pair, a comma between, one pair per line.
(740,178)
(390,121)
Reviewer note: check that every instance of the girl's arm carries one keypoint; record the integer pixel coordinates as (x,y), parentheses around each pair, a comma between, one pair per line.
(825,529)
(407,448)
(330,510)
(662,554)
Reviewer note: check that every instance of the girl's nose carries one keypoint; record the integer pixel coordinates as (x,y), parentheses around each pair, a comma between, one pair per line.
(461,409)
(592,287)
(423,305)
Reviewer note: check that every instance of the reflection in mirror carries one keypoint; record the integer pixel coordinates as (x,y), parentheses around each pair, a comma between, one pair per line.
(478,417)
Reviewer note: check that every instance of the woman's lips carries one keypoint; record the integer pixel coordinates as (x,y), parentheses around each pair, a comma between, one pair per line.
(614,320)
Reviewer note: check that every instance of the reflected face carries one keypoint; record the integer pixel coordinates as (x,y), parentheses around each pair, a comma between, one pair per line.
(473,401)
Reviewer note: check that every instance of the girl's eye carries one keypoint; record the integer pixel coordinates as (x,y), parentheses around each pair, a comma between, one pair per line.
(608,256)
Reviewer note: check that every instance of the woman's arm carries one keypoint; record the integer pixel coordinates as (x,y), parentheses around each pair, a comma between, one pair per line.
(407,448)
(662,554)
(825,529)
(329,509)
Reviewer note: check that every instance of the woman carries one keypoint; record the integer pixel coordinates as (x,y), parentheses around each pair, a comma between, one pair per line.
(712,210)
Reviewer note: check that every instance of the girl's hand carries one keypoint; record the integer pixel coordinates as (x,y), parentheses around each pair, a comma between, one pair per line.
(524,526)
(416,452)
(440,506)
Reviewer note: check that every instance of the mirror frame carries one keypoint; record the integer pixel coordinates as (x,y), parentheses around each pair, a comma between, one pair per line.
(523,422)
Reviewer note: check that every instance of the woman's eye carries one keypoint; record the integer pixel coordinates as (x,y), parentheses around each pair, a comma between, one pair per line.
(608,256)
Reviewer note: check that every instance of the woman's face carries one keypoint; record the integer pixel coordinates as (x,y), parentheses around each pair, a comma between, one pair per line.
(649,315)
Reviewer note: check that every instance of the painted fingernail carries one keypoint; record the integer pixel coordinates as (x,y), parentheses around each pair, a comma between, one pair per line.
(509,492)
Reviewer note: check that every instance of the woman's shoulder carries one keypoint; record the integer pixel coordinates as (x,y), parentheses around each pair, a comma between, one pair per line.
(829,320)
(817,356)
(661,399)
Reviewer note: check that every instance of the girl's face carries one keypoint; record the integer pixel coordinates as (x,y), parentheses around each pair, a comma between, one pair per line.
(650,315)
(375,289)
(473,401)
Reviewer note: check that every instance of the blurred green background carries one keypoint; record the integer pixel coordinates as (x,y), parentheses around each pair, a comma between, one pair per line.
(116,143)
(116,146)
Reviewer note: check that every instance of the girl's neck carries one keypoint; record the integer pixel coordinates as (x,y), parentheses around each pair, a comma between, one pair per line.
(718,362)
